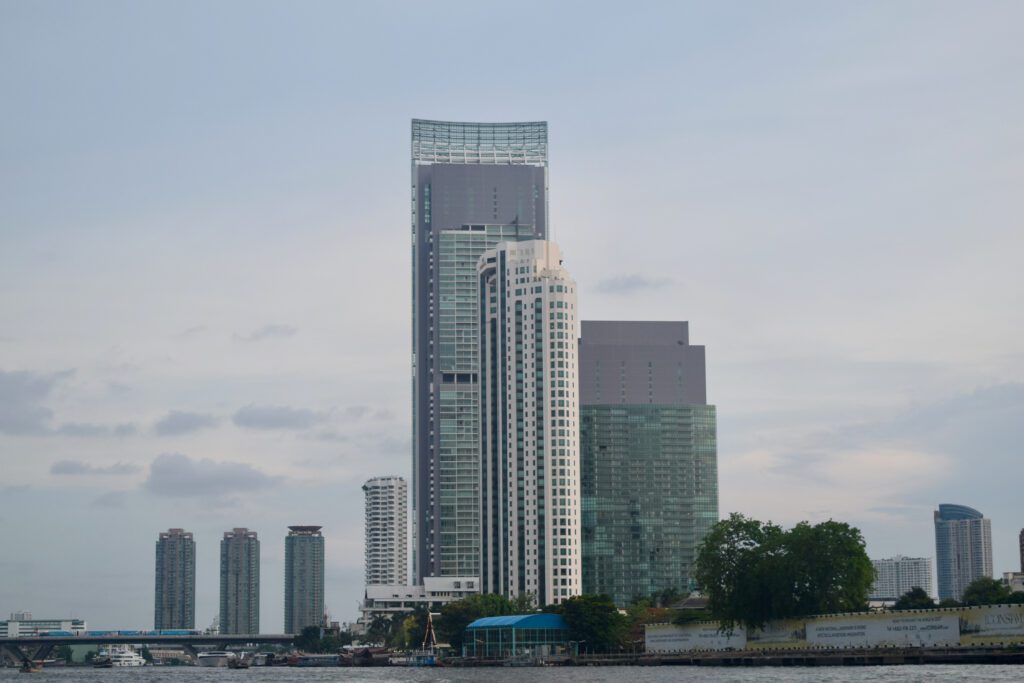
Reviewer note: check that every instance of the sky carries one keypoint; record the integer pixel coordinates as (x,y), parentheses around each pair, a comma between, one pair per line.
(205,266)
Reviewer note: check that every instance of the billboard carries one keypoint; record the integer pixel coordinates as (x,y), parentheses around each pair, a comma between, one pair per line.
(987,625)
(702,636)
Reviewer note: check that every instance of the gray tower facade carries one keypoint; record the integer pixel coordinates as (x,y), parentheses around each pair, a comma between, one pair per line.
(303,578)
(473,185)
(175,604)
(963,548)
(386,531)
(648,454)
(239,582)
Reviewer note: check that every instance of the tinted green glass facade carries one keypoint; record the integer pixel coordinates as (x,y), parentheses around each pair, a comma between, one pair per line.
(649,479)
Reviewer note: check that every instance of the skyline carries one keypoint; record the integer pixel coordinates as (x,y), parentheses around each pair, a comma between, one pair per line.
(183,252)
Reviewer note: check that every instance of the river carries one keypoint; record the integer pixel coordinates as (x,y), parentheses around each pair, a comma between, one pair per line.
(663,674)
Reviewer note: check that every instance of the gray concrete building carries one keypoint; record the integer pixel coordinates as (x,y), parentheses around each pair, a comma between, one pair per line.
(303,578)
(894,576)
(473,185)
(648,454)
(963,548)
(240,582)
(175,604)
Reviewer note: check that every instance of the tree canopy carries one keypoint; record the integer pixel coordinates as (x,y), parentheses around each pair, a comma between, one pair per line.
(754,572)
(593,620)
(985,591)
(915,598)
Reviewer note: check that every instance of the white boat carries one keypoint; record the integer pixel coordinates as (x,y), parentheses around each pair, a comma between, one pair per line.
(124,655)
(214,658)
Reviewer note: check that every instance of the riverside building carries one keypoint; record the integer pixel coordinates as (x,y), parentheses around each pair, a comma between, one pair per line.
(963,548)
(386,521)
(895,576)
(530,498)
(175,604)
(473,185)
(303,578)
(648,457)
(239,582)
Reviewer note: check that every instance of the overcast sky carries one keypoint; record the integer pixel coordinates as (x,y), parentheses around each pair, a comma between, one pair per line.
(205,265)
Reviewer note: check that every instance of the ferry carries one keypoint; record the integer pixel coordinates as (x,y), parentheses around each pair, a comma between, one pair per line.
(214,658)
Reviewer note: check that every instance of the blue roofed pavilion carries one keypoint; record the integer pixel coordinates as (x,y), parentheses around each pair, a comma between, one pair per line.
(517,635)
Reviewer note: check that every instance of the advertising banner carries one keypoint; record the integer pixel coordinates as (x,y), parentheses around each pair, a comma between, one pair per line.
(892,629)
(778,635)
(992,624)
(703,636)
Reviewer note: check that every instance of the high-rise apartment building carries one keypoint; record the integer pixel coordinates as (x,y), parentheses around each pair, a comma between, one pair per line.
(963,548)
(473,185)
(648,453)
(386,522)
(240,582)
(530,486)
(894,576)
(303,578)
(1020,543)
(175,606)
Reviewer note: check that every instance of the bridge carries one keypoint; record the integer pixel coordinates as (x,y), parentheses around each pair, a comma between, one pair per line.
(42,646)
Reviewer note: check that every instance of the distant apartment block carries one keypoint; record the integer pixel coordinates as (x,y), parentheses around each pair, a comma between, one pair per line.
(303,578)
(175,580)
(963,548)
(239,582)
(396,601)
(649,463)
(386,536)
(895,576)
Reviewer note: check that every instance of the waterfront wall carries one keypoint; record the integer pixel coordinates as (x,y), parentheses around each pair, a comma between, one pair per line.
(959,626)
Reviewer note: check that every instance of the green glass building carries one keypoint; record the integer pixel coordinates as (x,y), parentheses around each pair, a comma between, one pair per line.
(648,457)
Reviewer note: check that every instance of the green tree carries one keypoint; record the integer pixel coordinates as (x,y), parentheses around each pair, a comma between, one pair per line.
(949,602)
(308,640)
(62,652)
(595,621)
(456,616)
(985,591)
(915,598)
(754,572)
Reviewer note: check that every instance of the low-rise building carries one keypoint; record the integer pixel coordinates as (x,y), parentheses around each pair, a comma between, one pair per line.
(1014,581)
(22,624)
(435,593)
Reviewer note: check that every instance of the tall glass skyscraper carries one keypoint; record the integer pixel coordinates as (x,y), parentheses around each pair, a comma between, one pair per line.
(530,496)
(175,580)
(648,456)
(963,548)
(473,185)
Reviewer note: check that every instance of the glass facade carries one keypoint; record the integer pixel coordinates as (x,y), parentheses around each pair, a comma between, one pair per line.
(963,548)
(650,495)
(474,185)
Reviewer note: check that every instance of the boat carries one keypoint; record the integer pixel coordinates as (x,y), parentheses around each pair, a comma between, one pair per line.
(215,658)
(124,655)
(238,663)
(29,667)
(103,662)
(314,660)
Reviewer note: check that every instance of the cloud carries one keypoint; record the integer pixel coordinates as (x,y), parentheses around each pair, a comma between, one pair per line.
(630,284)
(83,429)
(21,401)
(177,475)
(77,467)
(114,500)
(271,331)
(276,417)
(191,332)
(183,422)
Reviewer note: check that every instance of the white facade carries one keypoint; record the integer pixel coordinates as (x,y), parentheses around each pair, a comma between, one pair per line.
(1014,581)
(386,536)
(897,575)
(435,593)
(22,624)
(530,495)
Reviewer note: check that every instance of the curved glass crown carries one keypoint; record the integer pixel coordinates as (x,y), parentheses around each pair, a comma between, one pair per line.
(949,512)
(457,142)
